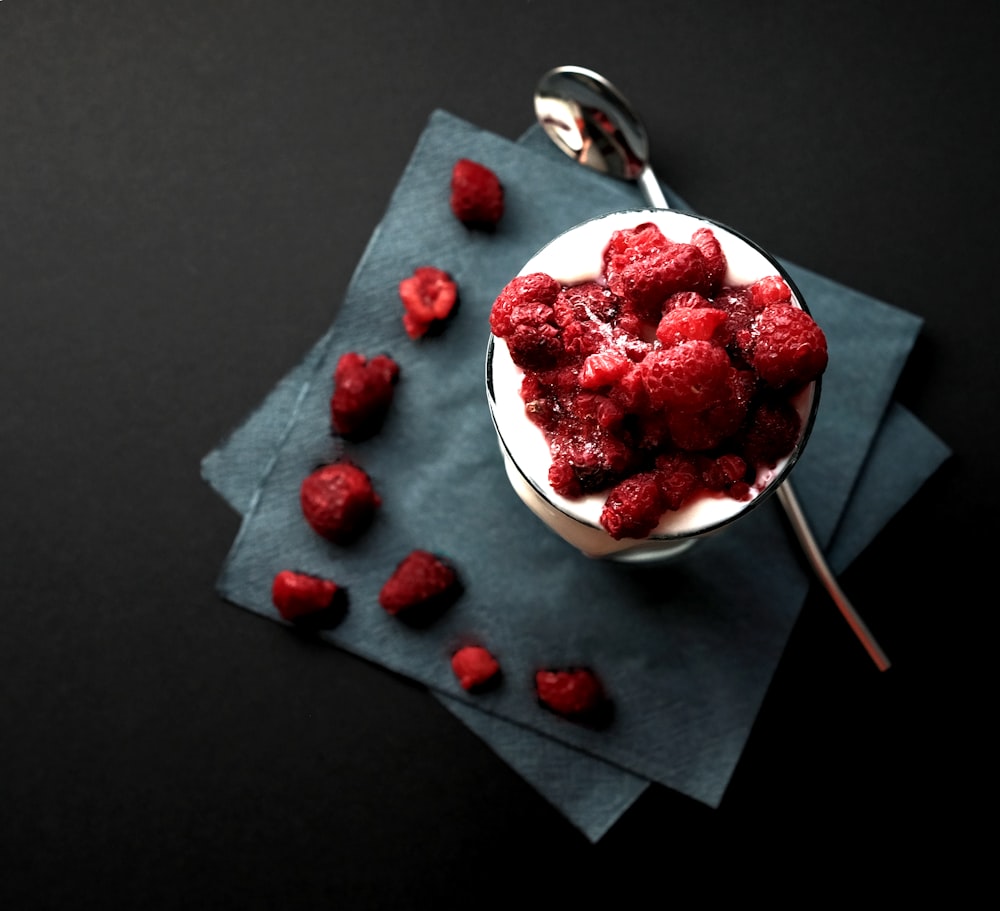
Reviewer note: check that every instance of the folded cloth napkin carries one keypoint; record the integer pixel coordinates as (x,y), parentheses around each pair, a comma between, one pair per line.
(686,651)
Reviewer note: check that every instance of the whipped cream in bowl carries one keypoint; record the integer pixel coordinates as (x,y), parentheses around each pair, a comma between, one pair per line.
(581,255)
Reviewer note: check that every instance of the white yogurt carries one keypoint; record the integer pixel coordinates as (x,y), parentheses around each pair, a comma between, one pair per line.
(577,256)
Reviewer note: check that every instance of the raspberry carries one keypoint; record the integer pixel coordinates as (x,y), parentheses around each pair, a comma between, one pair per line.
(363,391)
(475,667)
(682,323)
(524,317)
(689,376)
(572,692)
(700,430)
(297,595)
(715,259)
(604,368)
(723,472)
(338,501)
(633,507)
(678,476)
(771,289)
(421,586)
(789,349)
(645,268)
(586,458)
(477,197)
(772,431)
(429,297)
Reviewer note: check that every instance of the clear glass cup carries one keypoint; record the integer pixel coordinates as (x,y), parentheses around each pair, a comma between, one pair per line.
(575,256)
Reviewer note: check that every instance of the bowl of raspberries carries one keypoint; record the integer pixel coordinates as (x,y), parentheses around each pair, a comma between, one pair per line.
(652,376)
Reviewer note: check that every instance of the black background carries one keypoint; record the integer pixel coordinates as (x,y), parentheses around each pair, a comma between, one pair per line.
(185,190)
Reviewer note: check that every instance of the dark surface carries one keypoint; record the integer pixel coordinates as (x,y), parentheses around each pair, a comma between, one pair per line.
(185,189)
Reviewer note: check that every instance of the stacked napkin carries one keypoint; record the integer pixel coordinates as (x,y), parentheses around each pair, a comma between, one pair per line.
(686,650)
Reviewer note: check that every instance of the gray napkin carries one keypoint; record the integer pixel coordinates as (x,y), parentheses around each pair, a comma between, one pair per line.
(687,652)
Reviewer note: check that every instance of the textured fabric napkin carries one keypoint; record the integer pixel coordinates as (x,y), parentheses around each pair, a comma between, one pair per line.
(686,651)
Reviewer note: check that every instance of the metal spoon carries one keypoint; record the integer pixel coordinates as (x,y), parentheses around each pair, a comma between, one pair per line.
(593,123)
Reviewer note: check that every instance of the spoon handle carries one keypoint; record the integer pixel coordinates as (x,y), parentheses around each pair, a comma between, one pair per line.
(653,193)
(651,189)
(815,556)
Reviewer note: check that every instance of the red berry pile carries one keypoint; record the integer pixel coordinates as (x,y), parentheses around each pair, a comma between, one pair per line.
(655,383)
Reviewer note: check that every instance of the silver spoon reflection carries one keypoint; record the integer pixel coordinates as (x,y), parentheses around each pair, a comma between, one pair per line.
(593,123)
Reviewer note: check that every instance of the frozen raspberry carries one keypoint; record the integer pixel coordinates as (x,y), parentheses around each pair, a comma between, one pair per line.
(477,197)
(604,368)
(772,431)
(421,586)
(575,693)
(678,476)
(682,323)
(771,289)
(362,394)
(587,458)
(583,313)
(524,317)
(715,259)
(634,506)
(700,430)
(789,349)
(429,297)
(724,472)
(645,268)
(688,376)
(475,667)
(299,595)
(338,501)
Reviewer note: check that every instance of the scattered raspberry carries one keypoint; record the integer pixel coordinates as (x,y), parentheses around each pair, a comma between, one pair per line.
(788,348)
(477,197)
(338,501)
(363,391)
(572,692)
(422,585)
(475,667)
(298,595)
(429,297)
